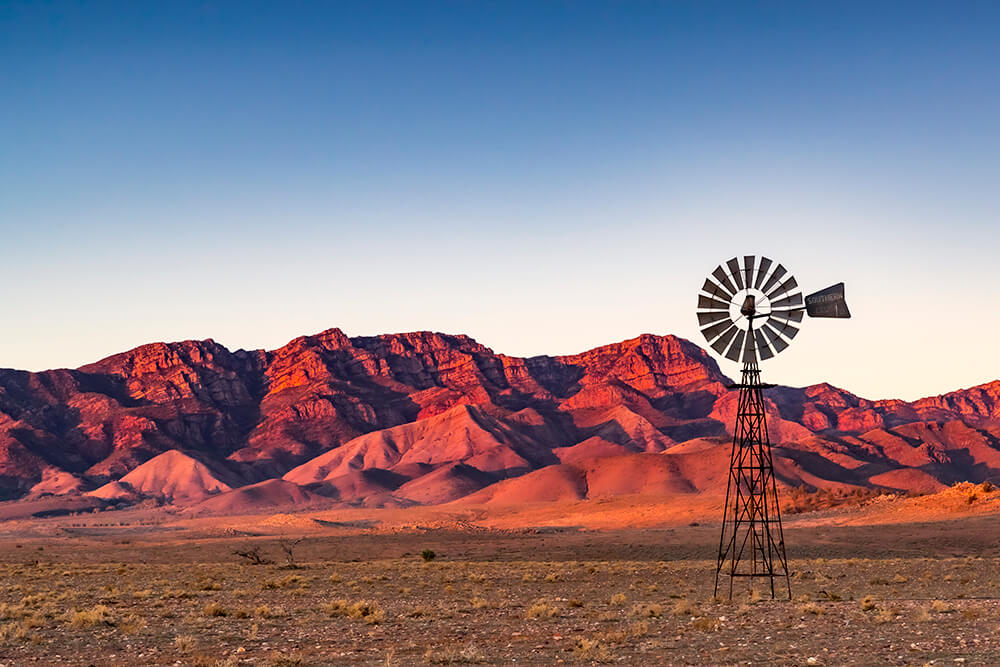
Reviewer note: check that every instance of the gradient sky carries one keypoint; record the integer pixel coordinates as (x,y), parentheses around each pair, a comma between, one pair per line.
(543,176)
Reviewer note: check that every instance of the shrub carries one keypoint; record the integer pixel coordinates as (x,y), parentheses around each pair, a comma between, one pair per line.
(886,615)
(184,643)
(365,610)
(685,608)
(592,651)
(96,615)
(12,632)
(705,624)
(215,609)
(428,555)
(647,610)
(541,609)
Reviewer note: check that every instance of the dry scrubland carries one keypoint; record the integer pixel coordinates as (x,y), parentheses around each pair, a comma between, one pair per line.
(923,593)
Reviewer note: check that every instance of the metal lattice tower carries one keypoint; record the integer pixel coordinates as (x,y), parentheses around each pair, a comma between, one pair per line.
(750,311)
(752,543)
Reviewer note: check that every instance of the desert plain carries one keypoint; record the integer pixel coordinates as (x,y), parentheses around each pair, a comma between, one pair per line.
(888,579)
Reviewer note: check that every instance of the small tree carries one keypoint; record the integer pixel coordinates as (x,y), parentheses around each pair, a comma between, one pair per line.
(252,555)
(288,547)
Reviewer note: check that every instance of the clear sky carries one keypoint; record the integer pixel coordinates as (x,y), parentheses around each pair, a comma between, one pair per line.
(543,176)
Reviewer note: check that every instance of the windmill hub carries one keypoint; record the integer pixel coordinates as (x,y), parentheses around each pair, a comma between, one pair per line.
(754,304)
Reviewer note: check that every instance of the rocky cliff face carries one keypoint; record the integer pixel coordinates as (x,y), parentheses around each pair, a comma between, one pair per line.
(362,419)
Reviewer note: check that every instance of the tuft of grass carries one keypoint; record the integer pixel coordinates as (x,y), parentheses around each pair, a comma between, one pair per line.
(368,611)
(12,632)
(647,610)
(541,609)
(811,608)
(454,655)
(618,599)
(279,659)
(867,603)
(184,643)
(215,609)
(131,625)
(706,624)
(885,616)
(88,618)
(941,607)
(685,608)
(633,631)
(591,650)
(419,611)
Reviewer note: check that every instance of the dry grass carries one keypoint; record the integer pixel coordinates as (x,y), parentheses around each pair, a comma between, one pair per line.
(811,608)
(452,655)
(541,608)
(885,615)
(684,607)
(591,650)
(88,618)
(315,617)
(647,610)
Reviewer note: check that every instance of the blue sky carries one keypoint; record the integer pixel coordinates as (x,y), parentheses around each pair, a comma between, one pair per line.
(543,176)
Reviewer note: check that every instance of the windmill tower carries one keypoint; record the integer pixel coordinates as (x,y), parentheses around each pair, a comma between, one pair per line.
(749,312)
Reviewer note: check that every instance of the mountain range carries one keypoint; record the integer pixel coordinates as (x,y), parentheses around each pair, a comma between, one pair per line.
(428,418)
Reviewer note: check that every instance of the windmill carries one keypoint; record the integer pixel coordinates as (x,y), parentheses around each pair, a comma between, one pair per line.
(749,312)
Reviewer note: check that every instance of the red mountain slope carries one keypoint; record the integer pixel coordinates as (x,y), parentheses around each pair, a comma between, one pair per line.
(428,418)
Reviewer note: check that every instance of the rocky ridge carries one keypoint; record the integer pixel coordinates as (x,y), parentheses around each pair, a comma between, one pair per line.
(428,418)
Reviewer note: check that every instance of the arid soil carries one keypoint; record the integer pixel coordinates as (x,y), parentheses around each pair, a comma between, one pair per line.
(891,593)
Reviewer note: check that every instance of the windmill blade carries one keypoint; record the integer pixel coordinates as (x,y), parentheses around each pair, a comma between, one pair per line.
(786,286)
(711,332)
(733,354)
(716,290)
(765,264)
(723,341)
(779,272)
(723,278)
(828,302)
(735,272)
(713,316)
(748,273)
(774,338)
(794,314)
(788,301)
(762,346)
(708,303)
(786,329)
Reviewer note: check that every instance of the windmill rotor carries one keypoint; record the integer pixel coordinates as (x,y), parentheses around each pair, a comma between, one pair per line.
(750,308)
